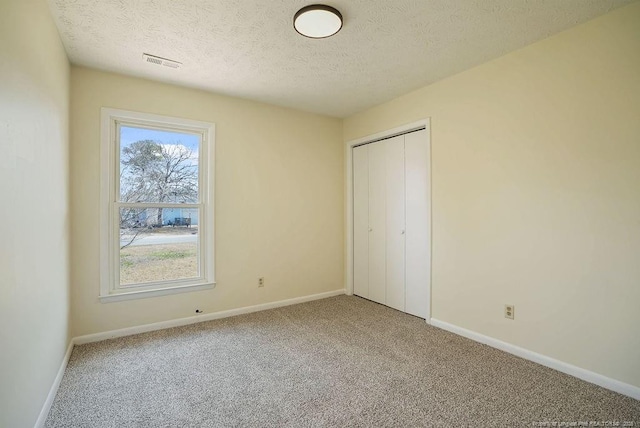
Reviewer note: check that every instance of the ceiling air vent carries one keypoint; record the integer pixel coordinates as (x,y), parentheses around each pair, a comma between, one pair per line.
(161,61)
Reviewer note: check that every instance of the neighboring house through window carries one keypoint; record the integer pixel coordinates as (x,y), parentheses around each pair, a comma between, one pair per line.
(156,205)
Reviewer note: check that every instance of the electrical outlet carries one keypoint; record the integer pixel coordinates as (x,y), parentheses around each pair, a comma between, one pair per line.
(509,311)
(261,282)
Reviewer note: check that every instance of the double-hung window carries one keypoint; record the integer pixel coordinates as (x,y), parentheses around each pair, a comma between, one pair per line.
(157,205)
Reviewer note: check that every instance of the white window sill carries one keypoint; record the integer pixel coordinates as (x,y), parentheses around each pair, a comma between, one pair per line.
(143,294)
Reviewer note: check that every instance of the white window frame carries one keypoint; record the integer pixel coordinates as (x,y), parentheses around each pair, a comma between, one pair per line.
(110,288)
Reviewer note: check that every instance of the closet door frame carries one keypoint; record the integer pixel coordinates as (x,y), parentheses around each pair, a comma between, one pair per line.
(349,145)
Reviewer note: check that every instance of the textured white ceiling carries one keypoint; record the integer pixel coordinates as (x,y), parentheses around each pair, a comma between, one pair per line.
(249,49)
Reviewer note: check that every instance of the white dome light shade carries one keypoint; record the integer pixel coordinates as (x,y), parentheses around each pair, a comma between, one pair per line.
(317,21)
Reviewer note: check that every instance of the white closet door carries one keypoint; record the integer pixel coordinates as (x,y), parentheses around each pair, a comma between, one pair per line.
(418,213)
(377,222)
(361,221)
(395,223)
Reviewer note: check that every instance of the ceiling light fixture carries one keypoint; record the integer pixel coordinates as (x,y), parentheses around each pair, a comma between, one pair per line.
(317,21)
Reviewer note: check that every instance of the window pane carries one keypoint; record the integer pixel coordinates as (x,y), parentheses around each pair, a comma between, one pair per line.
(158,244)
(158,166)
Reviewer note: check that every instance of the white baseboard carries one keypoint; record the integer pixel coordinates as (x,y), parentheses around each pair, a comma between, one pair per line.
(97,337)
(586,375)
(54,388)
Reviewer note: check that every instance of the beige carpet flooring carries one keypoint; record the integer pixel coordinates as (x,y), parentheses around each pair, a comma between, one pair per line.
(338,362)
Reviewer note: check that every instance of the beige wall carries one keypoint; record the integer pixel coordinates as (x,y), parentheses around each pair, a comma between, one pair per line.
(279,200)
(536,165)
(536,194)
(34,280)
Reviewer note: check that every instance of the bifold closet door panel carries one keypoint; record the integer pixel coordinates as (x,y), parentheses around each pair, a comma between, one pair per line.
(377,222)
(395,223)
(418,213)
(361,221)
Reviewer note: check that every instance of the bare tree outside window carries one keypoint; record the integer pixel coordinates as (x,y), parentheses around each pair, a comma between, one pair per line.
(151,171)
(158,243)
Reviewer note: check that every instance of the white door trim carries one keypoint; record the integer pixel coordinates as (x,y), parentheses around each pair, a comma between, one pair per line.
(349,145)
